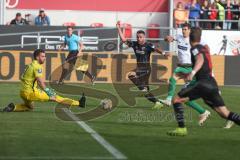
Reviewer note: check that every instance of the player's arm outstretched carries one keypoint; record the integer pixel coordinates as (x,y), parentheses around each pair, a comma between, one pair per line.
(161,51)
(123,38)
(169,39)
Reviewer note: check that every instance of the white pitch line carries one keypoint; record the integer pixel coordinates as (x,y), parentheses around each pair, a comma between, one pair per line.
(111,149)
(56,158)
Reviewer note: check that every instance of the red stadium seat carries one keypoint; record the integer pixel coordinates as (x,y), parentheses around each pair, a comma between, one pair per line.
(153,33)
(69,24)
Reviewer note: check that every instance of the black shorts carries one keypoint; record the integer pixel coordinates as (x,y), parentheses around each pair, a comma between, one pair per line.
(142,77)
(207,89)
(143,72)
(72,57)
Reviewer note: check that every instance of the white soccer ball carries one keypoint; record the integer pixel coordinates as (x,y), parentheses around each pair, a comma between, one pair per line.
(106,104)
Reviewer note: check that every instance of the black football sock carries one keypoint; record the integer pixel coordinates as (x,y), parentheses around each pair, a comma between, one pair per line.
(179,114)
(88,74)
(63,75)
(234,117)
(135,81)
(151,97)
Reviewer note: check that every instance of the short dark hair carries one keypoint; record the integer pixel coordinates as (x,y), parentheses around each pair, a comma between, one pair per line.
(37,53)
(18,14)
(195,34)
(188,25)
(140,32)
(69,27)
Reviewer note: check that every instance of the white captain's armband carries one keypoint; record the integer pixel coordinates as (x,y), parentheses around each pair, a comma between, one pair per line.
(195,52)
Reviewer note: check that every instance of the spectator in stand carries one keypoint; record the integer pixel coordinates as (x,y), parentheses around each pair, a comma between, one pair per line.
(180,15)
(19,21)
(194,12)
(235,13)
(238,15)
(205,11)
(42,19)
(221,13)
(228,15)
(213,14)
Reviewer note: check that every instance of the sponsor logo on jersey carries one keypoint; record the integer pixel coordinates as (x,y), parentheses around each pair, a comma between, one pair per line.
(140,52)
(182,47)
(39,70)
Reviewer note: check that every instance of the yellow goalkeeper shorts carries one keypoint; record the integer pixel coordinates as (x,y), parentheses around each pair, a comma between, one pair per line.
(36,95)
(81,65)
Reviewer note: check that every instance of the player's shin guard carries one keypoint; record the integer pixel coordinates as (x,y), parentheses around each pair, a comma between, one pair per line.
(179,114)
(234,117)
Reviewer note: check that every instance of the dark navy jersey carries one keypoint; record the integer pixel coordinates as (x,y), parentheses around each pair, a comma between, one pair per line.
(206,70)
(142,52)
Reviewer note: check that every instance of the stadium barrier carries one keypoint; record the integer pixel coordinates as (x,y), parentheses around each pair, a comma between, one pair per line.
(111,68)
(51,37)
(106,39)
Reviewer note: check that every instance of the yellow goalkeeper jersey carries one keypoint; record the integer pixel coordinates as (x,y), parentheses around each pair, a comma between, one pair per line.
(28,78)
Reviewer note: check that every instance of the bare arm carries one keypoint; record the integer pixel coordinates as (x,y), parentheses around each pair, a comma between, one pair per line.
(198,65)
(49,92)
(123,38)
(169,39)
(41,83)
(81,46)
(62,46)
(160,51)
(199,62)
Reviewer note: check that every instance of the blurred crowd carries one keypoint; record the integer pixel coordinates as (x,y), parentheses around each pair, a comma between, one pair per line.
(209,14)
(41,20)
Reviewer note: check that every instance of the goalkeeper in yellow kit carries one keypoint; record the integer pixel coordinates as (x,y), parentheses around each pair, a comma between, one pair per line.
(33,87)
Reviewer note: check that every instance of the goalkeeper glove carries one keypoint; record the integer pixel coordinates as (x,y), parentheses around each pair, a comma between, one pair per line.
(50,92)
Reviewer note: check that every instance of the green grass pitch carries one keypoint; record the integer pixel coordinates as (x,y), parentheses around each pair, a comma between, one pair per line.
(138,132)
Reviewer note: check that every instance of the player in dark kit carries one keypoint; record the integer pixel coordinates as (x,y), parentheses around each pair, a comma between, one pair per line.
(206,86)
(142,50)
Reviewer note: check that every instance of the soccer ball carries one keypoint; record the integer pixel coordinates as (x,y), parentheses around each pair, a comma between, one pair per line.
(106,104)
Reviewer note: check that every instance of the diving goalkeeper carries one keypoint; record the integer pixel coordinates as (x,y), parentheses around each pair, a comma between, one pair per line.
(31,82)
